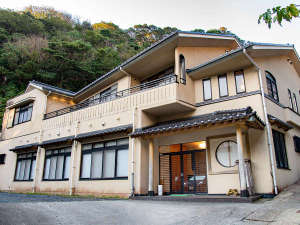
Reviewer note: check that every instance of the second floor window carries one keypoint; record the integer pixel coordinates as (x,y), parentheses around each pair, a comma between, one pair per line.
(272,86)
(290,99)
(106,95)
(207,89)
(25,167)
(57,164)
(23,114)
(223,88)
(239,81)
(296,109)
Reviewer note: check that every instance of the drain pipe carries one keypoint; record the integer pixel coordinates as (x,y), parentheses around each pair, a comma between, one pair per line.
(269,140)
(132,154)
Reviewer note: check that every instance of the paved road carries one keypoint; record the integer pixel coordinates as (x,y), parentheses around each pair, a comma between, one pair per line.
(40,210)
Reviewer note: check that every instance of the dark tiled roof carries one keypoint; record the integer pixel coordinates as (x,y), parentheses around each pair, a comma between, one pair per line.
(245,114)
(279,123)
(58,140)
(124,128)
(53,88)
(21,147)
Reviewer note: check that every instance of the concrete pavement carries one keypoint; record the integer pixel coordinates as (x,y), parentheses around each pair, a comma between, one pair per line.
(282,210)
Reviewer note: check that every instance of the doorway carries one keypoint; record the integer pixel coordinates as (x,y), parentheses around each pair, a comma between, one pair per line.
(183,168)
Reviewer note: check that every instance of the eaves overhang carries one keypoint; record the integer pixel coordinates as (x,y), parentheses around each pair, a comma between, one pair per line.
(24,147)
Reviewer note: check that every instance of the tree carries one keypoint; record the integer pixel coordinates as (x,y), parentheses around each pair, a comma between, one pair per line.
(277,14)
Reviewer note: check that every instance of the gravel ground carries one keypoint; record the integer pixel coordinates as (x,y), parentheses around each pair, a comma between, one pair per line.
(44,209)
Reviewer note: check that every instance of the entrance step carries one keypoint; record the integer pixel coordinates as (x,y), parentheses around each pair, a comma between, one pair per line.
(199,198)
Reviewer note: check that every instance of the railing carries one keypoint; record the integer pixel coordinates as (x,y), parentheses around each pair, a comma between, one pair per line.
(169,79)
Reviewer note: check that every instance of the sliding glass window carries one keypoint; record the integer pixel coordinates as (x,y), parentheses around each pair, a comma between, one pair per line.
(239,81)
(57,164)
(223,88)
(25,167)
(105,160)
(207,89)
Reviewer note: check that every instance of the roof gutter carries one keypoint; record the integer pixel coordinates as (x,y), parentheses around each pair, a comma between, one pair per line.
(270,147)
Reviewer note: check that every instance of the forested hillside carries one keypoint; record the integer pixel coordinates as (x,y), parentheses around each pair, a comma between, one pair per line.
(46,45)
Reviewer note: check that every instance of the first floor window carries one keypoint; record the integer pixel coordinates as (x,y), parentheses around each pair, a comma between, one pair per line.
(57,164)
(280,150)
(25,167)
(207,89)
(226,153)
(105,160)
(2,158)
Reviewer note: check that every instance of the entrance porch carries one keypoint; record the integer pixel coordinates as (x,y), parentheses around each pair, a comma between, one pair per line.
(198,157)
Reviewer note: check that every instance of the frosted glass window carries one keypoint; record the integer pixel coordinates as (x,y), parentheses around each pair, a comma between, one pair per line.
(107,159)
(109,164)
(25,167)
(226,154)
(123,141)
(122,163)
(240,82)
(86,147)
(52,167)
(207,89)
(110,143)
(32,170)
(18,170)
(57,164)
(86,166)
(67,167)
(223,86)
(22,172)
(59,167)
(47,169)
(97,164)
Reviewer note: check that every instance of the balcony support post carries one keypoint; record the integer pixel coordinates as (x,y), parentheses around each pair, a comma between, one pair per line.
(151,164)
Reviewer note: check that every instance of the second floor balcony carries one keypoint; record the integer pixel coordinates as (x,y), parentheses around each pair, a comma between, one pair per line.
(157,97)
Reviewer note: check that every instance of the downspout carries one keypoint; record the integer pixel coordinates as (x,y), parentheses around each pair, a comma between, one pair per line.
(132,154)
(269,140)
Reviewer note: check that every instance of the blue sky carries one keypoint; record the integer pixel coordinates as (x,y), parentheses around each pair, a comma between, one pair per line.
(238,16)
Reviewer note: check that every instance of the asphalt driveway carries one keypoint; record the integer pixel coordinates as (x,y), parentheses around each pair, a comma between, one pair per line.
(44,209)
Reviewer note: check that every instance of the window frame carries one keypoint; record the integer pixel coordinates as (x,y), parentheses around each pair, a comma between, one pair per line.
(23,109)
(227,94)
(31,158)
(203,87)
(280,152)
(296,109)
(103,149)
(65,154)
(216,153)
(271,79)
(291,99)
(239,73)
(182,66)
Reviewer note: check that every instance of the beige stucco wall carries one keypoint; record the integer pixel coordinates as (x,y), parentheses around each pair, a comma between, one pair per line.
(56,102)
(120,112)
(286,77)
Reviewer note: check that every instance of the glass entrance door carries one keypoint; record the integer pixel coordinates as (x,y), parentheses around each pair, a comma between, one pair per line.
(183,171)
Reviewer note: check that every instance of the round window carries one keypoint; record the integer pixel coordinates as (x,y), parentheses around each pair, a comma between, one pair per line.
(226,153)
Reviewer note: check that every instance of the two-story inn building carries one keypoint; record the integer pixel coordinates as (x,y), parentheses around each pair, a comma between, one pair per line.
(195,113)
